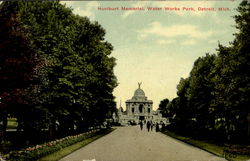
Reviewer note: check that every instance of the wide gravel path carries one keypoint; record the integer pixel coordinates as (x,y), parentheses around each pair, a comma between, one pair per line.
(132,144)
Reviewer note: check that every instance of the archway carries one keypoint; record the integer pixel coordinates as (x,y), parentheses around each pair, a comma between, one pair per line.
(140,108)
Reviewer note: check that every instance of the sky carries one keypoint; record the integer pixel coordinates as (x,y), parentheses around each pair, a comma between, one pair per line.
(158,48)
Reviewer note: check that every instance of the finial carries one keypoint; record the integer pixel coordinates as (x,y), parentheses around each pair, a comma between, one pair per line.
(139,84)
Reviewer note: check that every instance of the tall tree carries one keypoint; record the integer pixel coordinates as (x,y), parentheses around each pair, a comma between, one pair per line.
(232,79)
(163,107)
(20,66)
(182,112)
(200,91)
(76,78)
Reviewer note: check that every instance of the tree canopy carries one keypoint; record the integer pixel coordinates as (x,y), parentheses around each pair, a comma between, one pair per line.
(214,98)
(56,68)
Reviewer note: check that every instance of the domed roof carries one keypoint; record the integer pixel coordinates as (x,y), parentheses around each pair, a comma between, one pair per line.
(139,96)
(139,92)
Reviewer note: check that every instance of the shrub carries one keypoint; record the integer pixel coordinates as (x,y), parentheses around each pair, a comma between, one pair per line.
(38,151)
(238,150)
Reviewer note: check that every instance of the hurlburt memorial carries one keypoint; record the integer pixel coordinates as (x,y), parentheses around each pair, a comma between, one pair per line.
(139,108)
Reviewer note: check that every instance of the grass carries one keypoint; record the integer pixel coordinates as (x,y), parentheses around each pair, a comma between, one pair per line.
(66,151)
(209,147)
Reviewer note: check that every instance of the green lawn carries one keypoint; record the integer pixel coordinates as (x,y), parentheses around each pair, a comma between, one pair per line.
(66,151)
(209,147)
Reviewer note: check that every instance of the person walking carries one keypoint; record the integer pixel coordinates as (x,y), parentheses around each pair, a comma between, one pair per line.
(152,125)
(141,125)
(157,127)
(162,126)
(148,125)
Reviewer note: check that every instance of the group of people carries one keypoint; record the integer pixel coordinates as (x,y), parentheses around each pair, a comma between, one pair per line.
(150,125)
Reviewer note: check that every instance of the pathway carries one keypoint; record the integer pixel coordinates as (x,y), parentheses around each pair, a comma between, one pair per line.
(132,144)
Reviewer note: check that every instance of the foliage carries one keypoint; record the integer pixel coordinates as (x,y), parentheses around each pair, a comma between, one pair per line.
(163,107)
(199,94)
(19,67)
(238,150)
(38,151)
(213,101)
(56,68)
(66,151)
(222,150)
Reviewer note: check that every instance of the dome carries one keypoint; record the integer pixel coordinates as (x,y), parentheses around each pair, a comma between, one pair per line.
(139,96)
(139,92)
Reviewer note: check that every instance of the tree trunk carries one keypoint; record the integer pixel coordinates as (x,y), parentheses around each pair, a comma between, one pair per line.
(5,122)
(248,125)
(3,130)
(52,129)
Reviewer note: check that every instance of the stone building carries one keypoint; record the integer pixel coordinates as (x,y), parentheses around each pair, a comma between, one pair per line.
(139,108)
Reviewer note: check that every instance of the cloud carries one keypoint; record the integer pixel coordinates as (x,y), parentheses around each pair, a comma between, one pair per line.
(212,41)
(187,30)
(130,12)
(189,42)
(87,10)
(127,13)
(68,3)
(164,42)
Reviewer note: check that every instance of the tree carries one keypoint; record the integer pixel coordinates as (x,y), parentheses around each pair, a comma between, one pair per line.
(74,69)
(200,92)
(182,118)
(20,66)
(163,107)
(215,96)
(172,107)
(232,78)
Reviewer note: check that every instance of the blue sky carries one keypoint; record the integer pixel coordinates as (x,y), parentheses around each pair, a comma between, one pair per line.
(157,48)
